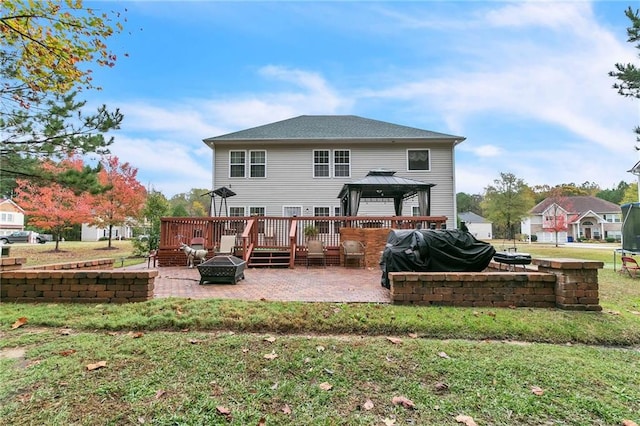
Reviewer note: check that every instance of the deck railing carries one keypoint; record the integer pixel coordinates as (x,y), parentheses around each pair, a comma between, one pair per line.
(272,232)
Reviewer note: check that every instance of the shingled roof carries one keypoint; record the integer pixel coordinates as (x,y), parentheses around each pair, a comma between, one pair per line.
(577,205)
(315,127)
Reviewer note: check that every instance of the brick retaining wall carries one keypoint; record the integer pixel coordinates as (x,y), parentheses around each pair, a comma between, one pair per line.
(91,281)
(564,283)
(89,286)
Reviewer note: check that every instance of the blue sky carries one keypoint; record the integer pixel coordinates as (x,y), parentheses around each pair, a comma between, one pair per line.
(525,82)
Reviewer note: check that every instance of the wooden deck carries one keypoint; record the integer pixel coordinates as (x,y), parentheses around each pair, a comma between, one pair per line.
(275,241)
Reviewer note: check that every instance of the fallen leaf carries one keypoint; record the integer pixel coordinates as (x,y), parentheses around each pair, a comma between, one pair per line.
(326,386)
(65,332)
(195,341)
(141,420)
(136,335)
(476,313)
(394,340)
(467,420)
(274,386)
(223,410)
(307,360)
(286,409)
(629,423)
(388,422)
(404,401)
(262,422)
(160,393)
(368,405)
(184,330)
(67,352)
(112,333)
(441,387)
(320,348)
(272,355)
(491,314)
(178,311)
(270,339)
(97,365)
(443,355)
(19,322)
(537,390)
(413,335)
(634,313)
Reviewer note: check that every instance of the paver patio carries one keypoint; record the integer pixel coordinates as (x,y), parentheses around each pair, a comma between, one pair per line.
(314,284)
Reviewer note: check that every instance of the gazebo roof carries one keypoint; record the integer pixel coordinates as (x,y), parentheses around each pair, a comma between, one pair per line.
(383,183)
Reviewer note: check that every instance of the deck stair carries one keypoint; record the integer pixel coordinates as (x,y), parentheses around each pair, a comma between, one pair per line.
(262,258)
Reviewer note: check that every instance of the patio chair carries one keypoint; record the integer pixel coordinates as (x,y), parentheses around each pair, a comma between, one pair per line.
(227,244)
(315,251)
(352,249)
(152,256)
(630,266)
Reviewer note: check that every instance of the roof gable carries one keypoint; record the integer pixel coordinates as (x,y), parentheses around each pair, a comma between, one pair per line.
(8,205)
(471,217)
(577,205)
(315,127)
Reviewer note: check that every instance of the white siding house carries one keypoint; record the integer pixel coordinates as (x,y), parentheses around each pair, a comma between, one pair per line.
(93,233)
(478,226)
(11,217)
(298,166)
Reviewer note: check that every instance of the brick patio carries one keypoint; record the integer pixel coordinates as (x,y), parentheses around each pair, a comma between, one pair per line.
(314,284)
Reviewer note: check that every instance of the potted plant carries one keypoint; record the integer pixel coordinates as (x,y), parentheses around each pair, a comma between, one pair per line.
(311,232)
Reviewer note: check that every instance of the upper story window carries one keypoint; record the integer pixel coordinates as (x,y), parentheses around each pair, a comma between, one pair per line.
(612,218)
(256,167)
(237,163)
(7,217)
(258,164)
(418,159)
(341,163)
(321,163)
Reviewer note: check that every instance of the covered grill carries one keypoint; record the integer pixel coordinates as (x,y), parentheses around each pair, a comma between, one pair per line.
(222,269)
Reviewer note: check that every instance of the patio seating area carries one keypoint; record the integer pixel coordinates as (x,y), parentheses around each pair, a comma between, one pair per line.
(313,284)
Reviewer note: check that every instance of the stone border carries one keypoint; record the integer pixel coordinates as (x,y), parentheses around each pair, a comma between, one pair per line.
(570,284)
(91,281)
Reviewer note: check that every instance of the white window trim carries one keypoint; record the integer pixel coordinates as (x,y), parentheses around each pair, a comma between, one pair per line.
(231,164)
(333,159)
(244,211)
(264,208)
(299,207)
(313,163)
(249,164)
(418,149)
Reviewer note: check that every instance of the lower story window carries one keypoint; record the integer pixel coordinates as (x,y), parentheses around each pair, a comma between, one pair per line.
(322,225)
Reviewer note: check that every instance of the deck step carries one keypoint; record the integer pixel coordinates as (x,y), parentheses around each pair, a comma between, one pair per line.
(269,259)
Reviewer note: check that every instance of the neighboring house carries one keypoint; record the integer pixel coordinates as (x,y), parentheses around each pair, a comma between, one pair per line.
(11,217)
(297,167)
(574,218)
(478,226)
(93,233)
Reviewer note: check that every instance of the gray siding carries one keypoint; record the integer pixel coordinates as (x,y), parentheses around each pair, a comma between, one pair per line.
(290,178)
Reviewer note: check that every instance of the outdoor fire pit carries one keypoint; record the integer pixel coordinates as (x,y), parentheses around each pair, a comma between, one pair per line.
(222,269)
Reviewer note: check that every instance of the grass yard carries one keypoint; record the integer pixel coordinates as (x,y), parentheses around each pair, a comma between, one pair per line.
(188,362)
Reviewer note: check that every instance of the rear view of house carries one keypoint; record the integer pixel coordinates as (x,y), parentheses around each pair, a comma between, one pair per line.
(297,167)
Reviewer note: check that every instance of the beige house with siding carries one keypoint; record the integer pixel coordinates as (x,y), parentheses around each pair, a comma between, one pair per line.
(297,167)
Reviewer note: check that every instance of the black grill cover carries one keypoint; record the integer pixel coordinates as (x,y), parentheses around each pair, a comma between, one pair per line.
(445,250)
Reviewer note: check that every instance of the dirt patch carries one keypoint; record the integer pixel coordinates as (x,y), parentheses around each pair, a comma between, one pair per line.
(12,353)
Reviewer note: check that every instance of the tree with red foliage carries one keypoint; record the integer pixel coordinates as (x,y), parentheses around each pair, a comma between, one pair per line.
(124,200)
(555,220)
(54,207)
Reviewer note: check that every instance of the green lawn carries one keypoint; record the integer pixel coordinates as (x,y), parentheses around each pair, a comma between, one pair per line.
(178,361)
